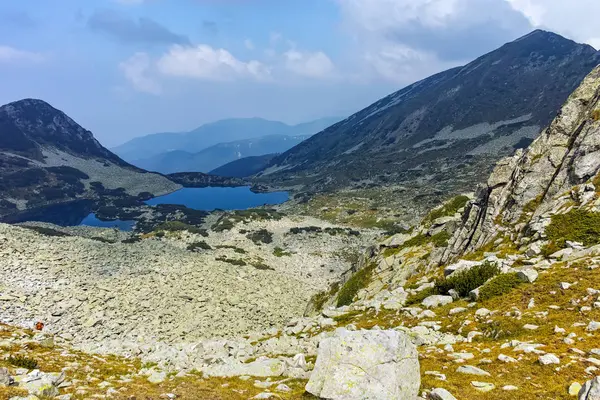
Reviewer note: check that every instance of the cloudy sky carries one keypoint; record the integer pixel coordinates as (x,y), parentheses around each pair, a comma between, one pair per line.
(124,68)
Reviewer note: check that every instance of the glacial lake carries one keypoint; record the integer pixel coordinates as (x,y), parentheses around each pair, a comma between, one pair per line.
(205,199)
(223,198)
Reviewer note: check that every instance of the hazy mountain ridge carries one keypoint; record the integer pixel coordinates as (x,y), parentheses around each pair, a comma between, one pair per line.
(219,154)
(207,135)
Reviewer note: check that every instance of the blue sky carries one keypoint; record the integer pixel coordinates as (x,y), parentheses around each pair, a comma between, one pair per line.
(124,68)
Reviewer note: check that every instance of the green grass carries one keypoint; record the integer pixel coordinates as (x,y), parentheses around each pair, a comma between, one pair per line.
(439,240)
(420,296)
(178,226)
(202,245)
(23,362)
(279,252)
(319,299)
(351,288)
(577,226)
(239,263)
(500,285)
(446,210)
(465,281)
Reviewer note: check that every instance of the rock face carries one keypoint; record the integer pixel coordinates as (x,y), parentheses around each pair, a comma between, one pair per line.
(590,390)
(375,365)
(47,158)
(462,118)
(522,188)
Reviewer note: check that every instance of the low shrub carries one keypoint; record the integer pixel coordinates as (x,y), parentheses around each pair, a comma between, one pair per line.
(231,261)
(178,226)
(577,226)
(279,252)
(448,209)
(500,285)
(465,281)
(199,245)
(133,239)
(42,230)
(262,266)
(261,236)
(234,248)
(356,282)
(319,299)
(23,362)
(418,297)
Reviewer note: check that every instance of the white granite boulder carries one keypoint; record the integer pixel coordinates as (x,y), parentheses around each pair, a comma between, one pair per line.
(360,365)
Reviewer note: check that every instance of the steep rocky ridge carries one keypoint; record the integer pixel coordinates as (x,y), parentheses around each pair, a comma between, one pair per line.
(442,135)
(47,158)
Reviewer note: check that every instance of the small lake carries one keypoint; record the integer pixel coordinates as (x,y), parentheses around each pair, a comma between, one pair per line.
(205,199)
(223,198)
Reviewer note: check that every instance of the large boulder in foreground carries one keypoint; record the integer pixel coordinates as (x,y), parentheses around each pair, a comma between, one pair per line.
(361,365)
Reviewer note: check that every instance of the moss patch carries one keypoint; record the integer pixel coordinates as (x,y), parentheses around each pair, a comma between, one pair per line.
(577,226)
(448,209)
(465,281)
(358,281)
(500,285)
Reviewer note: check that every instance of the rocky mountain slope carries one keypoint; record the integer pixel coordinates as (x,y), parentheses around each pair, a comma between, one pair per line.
(208,135)
(442,135)
(47,158)
(218,155)
(244,167)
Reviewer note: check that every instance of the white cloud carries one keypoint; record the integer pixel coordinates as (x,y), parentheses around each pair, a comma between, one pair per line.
(312,65)
(205,62)
(137,69)
(577,19)
(10,54)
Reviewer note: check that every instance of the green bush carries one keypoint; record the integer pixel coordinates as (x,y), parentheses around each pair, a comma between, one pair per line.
(23,362)
(448,209)
(279,252)
(231,261)
(199,245)
(465,281)
(577,226)
(500,285)
(262,266)
(261,236)
(178,226)
(234,248)
(356,282)
(420,296)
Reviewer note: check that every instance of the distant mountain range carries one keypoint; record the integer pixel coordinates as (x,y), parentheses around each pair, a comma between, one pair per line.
(47,158)
(442,135)
(218,155)
(225,131)
(244,167)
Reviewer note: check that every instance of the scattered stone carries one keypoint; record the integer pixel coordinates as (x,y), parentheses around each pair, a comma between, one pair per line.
(528,275)
(470,370)
(548,359)
(441,394)
(436,301)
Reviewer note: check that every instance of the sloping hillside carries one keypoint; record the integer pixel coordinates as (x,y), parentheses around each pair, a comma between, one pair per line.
(244,167)
(442,135)
(47,158)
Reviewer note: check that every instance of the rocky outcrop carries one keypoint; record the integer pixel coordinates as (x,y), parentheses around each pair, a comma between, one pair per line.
(375,365)
(522,188)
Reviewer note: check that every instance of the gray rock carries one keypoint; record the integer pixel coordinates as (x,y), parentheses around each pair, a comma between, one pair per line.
(528,275)
(357,365)
(441,394)
(436,301)
(5,378)
(590,390)
(470,370)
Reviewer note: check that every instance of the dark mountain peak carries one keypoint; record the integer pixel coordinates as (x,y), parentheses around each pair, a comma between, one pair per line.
(462,119)
(27,126)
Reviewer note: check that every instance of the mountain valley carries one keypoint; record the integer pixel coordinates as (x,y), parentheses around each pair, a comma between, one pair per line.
(442,244)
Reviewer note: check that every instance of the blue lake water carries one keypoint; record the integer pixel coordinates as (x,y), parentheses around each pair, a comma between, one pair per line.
(224,198)
(205,199)
(91,220)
